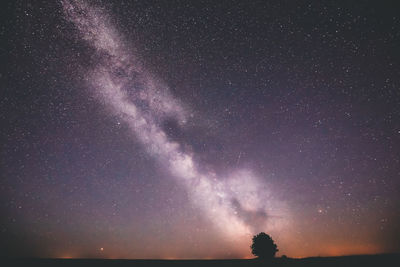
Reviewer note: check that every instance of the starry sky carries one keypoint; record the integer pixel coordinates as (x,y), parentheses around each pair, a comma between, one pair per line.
(179,129)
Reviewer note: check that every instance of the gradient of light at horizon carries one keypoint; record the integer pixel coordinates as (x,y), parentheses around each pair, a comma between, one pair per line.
(142,130)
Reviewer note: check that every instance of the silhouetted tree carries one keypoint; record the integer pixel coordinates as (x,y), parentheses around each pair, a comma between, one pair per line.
(263,246)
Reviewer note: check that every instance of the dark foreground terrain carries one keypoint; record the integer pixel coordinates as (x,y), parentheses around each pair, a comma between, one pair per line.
(368,260)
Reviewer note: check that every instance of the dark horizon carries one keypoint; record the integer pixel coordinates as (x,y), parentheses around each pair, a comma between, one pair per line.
(210,259)
(147,129)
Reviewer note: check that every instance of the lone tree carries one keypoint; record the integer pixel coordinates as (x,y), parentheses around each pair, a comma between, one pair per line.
(263,246)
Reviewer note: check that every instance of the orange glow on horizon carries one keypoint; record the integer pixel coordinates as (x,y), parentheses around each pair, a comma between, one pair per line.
(344,250)
(337,250)
(317,249)
(65,257)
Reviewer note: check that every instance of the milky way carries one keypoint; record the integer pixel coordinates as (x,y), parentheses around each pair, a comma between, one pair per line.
(239,204)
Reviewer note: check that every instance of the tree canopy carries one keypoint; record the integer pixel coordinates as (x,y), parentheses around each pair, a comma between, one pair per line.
(263,246)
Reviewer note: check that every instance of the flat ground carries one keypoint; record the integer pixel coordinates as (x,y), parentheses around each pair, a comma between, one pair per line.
(369,260)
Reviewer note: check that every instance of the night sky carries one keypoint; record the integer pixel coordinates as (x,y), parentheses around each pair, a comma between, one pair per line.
(179,129)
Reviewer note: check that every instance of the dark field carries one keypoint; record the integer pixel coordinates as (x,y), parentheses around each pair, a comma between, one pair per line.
(370,260)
